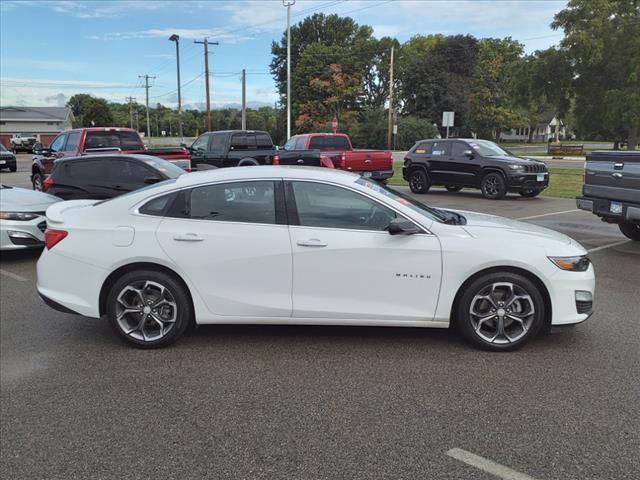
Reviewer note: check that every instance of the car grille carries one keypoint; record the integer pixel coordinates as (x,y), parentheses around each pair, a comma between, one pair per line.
(535,168)
(42,226)
(584,306)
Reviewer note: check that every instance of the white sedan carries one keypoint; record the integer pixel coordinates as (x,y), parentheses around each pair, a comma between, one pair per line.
(281,245)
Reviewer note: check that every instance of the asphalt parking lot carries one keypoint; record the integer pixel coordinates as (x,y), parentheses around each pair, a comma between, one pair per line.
(327,402)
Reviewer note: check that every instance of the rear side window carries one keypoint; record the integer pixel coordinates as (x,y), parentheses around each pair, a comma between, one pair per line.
(239,141)
(85,171)
(72,142)
(439,148)
(125,172)
(158,206)
(423,147)
(113,139)
(263,141)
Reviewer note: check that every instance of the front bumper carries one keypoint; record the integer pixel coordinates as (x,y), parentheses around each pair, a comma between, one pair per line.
(18,235)
(567,307)
(528,181)
(610,210)
(8,162)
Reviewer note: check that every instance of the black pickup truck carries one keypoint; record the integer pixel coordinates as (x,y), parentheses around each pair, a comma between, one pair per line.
(240,148)
(611,189)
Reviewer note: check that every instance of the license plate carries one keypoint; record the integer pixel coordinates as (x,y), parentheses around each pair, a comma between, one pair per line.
(2,162)
(366,174)
(615,207)
(540,177)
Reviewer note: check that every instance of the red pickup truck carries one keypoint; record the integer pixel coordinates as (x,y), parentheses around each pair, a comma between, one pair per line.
(98,140)
(374,164)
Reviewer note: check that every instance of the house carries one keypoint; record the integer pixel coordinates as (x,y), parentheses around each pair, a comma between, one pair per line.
(550,127)
(44,123)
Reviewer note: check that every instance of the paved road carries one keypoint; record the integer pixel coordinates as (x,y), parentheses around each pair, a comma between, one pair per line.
(319,402)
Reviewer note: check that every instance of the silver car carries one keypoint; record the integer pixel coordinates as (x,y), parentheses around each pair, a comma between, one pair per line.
(22,217)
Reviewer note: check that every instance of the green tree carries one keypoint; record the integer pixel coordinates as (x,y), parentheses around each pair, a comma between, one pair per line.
(602,40)
(90,111)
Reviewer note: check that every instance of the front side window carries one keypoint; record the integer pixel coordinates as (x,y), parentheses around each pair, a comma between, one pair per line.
(58,143)
(291,144)
(248,202)
(458,149)
(200,145)
(329,206)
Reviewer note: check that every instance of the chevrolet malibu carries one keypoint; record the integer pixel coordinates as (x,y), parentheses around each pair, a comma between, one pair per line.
(289,245)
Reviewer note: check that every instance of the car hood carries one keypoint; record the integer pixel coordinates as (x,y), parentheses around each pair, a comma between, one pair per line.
(516,160)
(13,199)
(5,154)
(482,225)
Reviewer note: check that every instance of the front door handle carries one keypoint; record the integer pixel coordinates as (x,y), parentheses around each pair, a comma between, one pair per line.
(312,242)
(616,175)
(188,237)
(300,160)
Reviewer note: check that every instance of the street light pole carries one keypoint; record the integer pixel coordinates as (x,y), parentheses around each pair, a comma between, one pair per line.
(176,38)
(288,4)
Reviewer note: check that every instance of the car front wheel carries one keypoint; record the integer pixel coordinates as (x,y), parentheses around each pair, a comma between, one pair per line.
(630,230)
(500,311)
(418,181)
(148,309)
(493,186)
(38,180)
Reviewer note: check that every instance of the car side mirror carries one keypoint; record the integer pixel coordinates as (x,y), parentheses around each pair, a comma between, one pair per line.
(468,153)
(183,145)
(402,226)
(151,180)
(38,148)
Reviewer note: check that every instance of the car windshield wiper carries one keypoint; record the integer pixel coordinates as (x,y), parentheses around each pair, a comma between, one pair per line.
(452,218)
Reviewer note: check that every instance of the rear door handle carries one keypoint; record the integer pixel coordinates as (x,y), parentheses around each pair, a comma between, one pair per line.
(312,242)
(300,160)
(188,237)
(616,175)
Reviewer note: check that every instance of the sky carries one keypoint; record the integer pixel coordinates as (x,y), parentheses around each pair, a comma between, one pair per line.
(53,49)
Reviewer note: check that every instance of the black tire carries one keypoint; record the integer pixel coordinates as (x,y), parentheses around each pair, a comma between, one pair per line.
(175,314)
(418,181)
(37,181)
(500,287)
(530,193)
(630,230)
(452,188)
(493,186)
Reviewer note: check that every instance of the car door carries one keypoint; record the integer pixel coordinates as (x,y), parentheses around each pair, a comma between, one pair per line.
(439,165)
(347,266)
(55,152)
(462,168)
(233,244)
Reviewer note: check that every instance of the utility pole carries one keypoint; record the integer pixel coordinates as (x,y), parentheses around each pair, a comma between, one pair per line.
(390,123)
(130,100)
(244,99)
(176,38)
(206,44)
(288,4)
(146,86)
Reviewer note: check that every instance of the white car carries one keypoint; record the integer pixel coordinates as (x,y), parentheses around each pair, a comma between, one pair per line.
(288,245)
(22,217)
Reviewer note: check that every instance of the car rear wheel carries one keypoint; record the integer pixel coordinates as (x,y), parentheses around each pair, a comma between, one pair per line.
(630,230)
(418,181)
(148,309)
(530,193)
(38,180)
(452,188)
(500,311)
(493,186)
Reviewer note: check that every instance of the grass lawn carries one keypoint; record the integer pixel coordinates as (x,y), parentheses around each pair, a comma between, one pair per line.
(563,182)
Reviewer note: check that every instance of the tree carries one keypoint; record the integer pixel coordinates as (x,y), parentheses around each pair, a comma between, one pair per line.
(376,75)
(492,108)
(602,40)
(90,111)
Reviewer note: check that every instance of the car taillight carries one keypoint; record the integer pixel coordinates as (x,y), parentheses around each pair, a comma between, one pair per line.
(343,161)
(47,183)
(326,162)
(53,237)
(275,160)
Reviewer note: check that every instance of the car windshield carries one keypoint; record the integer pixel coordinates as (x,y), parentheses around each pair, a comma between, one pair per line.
(432,213)
(3,148)
(487,148)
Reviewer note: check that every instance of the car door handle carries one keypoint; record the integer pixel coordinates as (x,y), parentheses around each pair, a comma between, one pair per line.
(300,160)
(367,161)
(312,242)
(616,175)
(188,237)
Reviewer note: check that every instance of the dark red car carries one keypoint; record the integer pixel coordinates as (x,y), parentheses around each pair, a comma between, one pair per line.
(98,140)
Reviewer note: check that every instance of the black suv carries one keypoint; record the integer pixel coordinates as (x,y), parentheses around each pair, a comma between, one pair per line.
(462,162)
(98,177)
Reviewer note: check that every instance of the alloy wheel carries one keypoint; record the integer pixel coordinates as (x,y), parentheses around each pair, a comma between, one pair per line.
(146,311)
(491,186)
(502,313)
(416,181)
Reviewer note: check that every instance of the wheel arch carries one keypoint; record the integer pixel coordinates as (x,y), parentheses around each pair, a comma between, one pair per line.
(544,291)
(486,170)
(248,161)
(419,166)
(116,274)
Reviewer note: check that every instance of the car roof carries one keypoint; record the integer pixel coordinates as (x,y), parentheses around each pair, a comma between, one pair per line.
(102,129)
(237,131)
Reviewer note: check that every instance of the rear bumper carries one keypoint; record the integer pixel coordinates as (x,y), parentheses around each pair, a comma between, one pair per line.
(378,175)
(610,210)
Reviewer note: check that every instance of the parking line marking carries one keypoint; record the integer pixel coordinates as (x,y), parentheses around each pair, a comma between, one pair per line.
(486,465)
(615,244)
(13,275)
(549,214)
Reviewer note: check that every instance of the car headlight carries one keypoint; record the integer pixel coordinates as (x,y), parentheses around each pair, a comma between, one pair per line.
(572,264)
(19,216)
(517,168)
